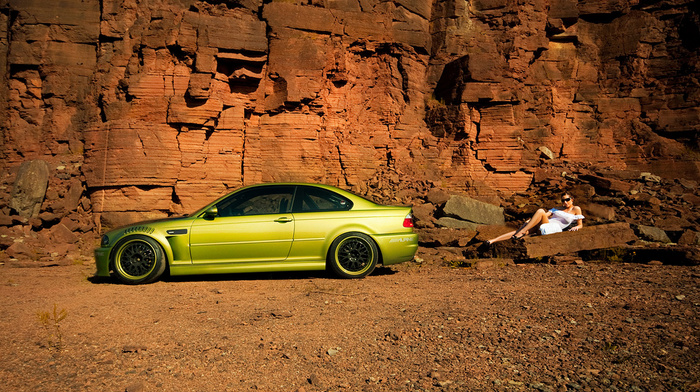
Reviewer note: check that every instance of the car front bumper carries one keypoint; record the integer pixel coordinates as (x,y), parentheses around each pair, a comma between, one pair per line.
(102,261)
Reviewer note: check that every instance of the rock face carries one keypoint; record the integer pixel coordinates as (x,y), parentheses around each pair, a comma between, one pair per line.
(149,109)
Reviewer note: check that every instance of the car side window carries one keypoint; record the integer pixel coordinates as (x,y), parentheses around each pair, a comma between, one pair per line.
(257,201)
(318,199)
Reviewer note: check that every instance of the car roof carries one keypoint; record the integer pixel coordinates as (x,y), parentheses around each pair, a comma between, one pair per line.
(357,200)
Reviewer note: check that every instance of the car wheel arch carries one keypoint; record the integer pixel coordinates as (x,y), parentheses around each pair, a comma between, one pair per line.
(332,262)
(164,250)
(164,244)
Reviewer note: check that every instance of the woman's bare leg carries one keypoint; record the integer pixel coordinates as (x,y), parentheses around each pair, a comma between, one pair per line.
(539,217)
(501,237)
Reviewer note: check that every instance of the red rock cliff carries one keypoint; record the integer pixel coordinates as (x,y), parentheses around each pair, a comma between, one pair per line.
(153,108)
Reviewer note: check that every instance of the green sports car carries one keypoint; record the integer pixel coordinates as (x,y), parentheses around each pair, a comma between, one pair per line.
(267,227)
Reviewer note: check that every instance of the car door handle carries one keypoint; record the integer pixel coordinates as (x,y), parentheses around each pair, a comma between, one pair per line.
(283,219)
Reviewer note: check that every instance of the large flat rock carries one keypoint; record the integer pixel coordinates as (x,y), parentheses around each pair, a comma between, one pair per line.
(588,238)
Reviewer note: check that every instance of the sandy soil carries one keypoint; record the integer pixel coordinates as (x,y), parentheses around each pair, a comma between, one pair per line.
(411,327)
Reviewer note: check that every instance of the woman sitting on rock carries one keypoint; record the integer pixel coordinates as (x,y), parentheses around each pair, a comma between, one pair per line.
(548,222)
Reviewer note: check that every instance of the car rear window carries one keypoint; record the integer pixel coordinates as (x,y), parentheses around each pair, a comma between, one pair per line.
(311,199)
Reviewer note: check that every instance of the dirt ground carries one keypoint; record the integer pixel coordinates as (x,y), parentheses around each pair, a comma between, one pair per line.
(411,327)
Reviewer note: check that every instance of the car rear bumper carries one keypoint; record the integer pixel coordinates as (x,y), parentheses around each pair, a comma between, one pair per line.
(397,248)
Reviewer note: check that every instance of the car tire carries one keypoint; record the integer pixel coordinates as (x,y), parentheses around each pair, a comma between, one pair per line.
(138,259)
(353,255)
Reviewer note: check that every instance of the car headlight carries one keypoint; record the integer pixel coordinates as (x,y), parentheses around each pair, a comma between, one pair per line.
(105,241)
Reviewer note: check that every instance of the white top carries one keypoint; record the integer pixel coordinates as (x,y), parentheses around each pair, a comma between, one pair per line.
(562,218)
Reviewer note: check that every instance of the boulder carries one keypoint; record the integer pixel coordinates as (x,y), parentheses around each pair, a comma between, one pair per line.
(62,234)
(7,237)
(653,234)
(23,251)
(475,211)
(595,210)
(438,196)
(423,213)
(488,232)
(690,237)
(5,220)
(30,188)
(445,237)
(607,184)
(590,237)
(453,223)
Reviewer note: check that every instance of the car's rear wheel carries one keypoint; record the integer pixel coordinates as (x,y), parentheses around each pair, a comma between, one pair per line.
(353,255)
(138,259)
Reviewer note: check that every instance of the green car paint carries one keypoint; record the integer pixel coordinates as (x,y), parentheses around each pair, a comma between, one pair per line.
(264,228)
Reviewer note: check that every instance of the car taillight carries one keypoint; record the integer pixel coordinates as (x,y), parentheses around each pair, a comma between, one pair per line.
(408,221)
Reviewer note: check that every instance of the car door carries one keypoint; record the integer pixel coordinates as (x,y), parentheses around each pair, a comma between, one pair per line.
(317,213)
(253,225)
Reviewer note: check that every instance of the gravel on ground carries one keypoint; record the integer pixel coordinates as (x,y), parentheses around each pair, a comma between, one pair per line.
(410,327)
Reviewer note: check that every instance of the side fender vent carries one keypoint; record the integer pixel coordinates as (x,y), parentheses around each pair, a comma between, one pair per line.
(139,229)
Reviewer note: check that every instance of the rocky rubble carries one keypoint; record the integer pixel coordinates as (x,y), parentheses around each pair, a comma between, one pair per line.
(636,216)
(45,216)
(631,210)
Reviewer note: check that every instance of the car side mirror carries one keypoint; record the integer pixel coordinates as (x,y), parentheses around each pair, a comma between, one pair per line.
(211,213)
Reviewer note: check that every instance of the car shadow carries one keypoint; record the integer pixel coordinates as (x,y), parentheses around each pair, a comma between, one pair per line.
(248,276)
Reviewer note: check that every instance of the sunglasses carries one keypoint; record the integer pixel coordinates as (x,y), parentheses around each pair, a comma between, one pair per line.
(566,199)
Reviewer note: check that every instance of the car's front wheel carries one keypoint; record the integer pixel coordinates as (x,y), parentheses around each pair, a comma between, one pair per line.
(138,259)
(353,255)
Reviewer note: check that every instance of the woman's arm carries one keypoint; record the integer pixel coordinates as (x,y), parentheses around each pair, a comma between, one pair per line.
(579,223)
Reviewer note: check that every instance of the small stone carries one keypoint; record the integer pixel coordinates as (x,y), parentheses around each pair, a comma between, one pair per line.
(314,380)
(546,152)
(136,386)
(648,177)
(133,349)
(680,297)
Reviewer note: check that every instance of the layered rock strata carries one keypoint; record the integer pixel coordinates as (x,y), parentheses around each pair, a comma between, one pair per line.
(150,109)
